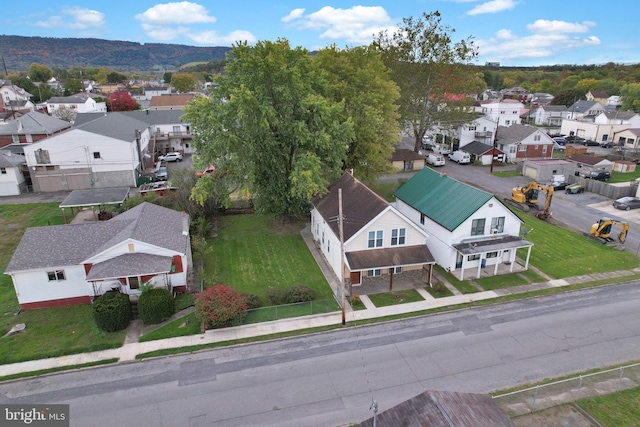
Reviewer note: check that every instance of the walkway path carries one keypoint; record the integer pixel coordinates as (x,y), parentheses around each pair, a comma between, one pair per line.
(129,350)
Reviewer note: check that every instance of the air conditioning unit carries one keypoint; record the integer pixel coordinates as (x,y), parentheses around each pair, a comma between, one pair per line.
(494,231)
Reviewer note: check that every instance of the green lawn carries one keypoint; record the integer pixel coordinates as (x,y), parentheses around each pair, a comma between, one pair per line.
(439,291)
(188,325)
(253,252)
(386,190)
(465,287)
(561,253)
(507,173)
(624,176)
(617,409)
(500,282)
(396,297)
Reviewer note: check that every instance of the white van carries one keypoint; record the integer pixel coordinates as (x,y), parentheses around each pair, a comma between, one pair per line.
(441,149)
(435,159)
(461,157)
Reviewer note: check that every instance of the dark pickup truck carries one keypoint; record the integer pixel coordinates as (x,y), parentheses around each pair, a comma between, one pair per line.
(599,175)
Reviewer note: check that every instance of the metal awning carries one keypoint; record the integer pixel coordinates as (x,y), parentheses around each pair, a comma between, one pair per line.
(95,197)
(472,247)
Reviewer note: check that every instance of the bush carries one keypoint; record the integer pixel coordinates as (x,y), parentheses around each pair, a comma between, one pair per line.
(439,288)
(253,300)
(219,305)
(156,305)
(276,296)
(112,311)
(299,293)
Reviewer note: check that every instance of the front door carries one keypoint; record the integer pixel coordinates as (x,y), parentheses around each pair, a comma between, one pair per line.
(459,260)
(354,277)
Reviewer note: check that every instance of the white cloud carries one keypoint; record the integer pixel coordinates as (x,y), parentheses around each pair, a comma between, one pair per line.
(170,21)
(293,15)
(356,24)
(546,26)
(75,18)
(213,38)
(549,38)
(176,13)
(492,6)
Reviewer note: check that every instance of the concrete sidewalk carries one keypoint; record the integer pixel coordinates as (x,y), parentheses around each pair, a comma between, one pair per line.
(128,352)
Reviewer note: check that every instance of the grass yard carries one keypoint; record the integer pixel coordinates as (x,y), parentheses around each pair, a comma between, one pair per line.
(267,314)
(500,282)
(396,297)
(617,409)
(253,252)
(561,253)
(507,173)
(49,332)
(465,287)
(386,190)
(184,326)
(624,176)
(439,291)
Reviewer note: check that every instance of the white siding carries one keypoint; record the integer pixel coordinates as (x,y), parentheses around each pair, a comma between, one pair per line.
(34,286)
(10,181)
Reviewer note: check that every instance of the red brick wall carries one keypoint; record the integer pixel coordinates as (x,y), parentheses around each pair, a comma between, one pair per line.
(56,303)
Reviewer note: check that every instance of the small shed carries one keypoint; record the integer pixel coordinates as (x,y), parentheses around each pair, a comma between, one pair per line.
(484,153)
(543,170)
(571,149)
(624,166)
(585,164)
(407,160)
(92,198)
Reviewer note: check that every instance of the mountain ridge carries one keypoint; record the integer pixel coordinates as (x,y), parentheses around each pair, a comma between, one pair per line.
(19,52)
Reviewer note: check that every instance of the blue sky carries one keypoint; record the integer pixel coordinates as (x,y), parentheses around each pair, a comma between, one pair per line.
(512,32)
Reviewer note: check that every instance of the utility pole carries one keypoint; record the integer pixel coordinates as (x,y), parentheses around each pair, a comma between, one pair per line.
(342,287)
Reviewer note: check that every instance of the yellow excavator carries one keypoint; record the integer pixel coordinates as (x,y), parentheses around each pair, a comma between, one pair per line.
(601,230)
(526,197)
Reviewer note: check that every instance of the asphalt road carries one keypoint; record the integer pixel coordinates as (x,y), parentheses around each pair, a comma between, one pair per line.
(330,379)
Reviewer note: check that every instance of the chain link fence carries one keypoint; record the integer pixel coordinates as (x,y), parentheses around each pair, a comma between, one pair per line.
(276,312)
(570,390)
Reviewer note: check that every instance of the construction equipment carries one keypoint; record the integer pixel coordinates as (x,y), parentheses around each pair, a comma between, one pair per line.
(601,230)
(525,198)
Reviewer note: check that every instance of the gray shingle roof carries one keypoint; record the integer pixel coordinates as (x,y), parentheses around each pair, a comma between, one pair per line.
(34,124)
(10,160)
(64,245)
(514,133)
(478,148)
(135,264)
(117,126)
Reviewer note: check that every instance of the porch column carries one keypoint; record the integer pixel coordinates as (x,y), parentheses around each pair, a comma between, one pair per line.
(526,263)
(462,269)
(480,265)
(495,268)
(512,259)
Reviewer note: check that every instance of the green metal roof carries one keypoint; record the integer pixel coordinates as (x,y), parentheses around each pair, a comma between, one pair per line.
(441,198)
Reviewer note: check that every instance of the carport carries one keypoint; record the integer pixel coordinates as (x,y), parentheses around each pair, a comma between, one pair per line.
(82,199)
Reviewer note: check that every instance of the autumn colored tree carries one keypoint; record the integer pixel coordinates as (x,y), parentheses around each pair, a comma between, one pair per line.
(219,305)
(121,101)
(432,72)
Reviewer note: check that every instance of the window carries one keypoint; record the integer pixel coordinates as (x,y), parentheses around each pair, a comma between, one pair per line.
(16,139)
(29,137)
(395,270)
(497,224)
(56,275)
(323,237)
(3,171)
(514,112)
(398,236)
(507,122)
(512,149)
(492,254)
(134,282)
(375,239)
(605,137)
(372,273)
(422,219)
(472,127)
(473,257)
(328,245)
(96,154)
(477,227)
(42,156)
(536,137)
(544,149)
(522,148)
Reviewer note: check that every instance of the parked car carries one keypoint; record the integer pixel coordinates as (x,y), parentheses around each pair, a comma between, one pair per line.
(574,189)
(607,144)
(559,185)
(590,143)
(460,157)
(560,140)
(162,174)
(435,159)
(599,175)
(573,139)
(627,203)
(559,147)
(171,157)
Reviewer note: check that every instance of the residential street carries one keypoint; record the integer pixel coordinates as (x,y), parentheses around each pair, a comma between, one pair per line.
(330,379)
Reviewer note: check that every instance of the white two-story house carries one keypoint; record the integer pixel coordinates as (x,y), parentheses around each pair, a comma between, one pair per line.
(505,113)
(378,239)
(471,230)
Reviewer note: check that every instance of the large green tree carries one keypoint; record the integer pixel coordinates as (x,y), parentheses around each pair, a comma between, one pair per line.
(630,94)
(183,83)
(432,72)
(271,128)
(72,86)
(39,73)
(358,77)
